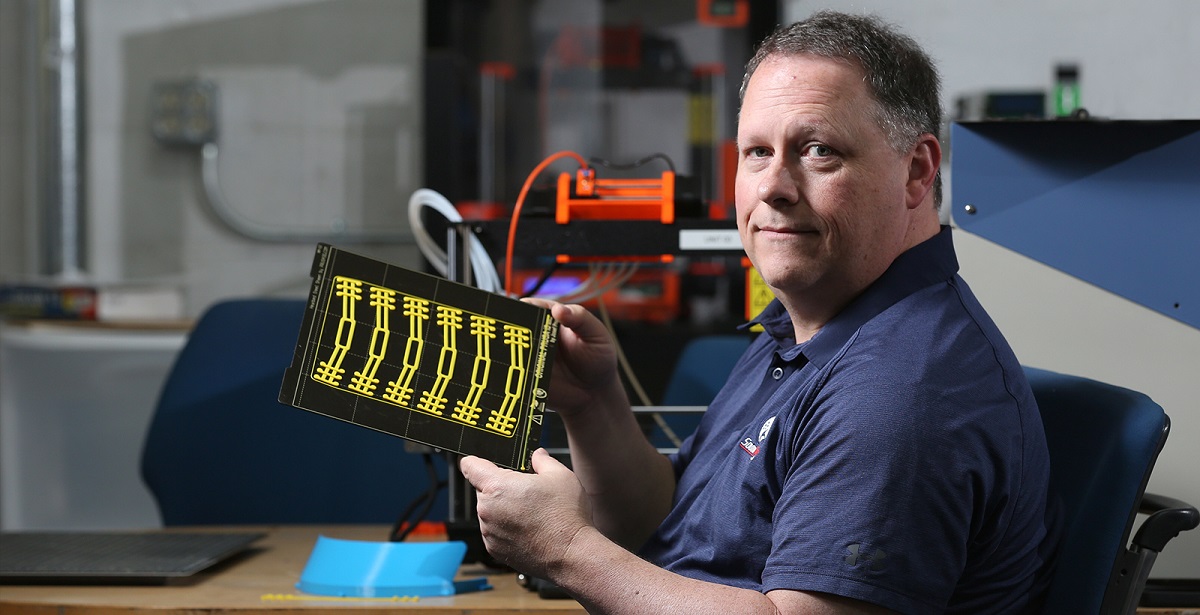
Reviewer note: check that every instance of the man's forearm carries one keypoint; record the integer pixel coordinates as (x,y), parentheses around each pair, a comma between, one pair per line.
(629,483)
(605,578)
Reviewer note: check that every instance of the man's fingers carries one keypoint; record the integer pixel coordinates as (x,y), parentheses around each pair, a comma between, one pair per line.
(540,302)
(477,470)
(573,316)
(544,463)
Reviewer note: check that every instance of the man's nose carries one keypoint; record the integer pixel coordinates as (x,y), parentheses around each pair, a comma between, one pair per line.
(778,186)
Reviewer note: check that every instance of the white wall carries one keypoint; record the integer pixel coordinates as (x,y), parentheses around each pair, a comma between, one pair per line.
(1137,61)
(319,127)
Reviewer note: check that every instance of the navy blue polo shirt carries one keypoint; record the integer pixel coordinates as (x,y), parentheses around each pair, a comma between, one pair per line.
(897,457)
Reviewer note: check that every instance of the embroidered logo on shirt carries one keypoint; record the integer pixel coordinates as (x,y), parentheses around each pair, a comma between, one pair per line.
(749,446)
(874,560)
(766,429)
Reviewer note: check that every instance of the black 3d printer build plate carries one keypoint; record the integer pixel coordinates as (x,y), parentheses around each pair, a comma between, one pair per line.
(429,360)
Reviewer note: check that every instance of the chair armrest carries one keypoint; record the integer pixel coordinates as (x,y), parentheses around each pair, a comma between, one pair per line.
(1168,517)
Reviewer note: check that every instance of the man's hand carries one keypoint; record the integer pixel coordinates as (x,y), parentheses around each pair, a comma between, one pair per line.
(528,521)
(585,362)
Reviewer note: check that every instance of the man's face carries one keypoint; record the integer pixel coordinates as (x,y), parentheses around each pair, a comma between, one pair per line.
(820,193)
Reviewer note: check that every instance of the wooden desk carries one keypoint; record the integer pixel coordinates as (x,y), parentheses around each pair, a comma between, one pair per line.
(265,580)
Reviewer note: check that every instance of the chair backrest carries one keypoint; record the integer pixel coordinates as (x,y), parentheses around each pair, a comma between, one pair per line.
(222,450)
(701,369)
(1103,443)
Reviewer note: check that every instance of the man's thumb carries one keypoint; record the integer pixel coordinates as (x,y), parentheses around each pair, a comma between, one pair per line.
(544,463)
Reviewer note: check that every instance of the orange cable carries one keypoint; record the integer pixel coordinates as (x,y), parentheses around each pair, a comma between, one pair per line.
(512,226)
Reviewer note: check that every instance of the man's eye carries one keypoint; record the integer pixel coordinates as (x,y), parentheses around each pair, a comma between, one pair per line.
(819,150)
(757,152)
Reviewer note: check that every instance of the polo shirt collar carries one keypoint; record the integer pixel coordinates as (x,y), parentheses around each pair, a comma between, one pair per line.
(929,262)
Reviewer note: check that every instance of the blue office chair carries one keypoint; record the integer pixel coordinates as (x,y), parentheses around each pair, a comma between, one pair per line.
(222,450)
(702,367)
(696,378)
(1103,443)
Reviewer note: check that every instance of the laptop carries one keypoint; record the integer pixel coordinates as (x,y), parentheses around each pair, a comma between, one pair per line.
(114,557)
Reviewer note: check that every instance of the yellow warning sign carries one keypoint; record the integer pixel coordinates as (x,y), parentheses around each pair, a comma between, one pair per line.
(758,294)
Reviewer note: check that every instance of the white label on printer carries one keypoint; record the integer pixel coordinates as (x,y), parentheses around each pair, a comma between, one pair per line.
(709,240)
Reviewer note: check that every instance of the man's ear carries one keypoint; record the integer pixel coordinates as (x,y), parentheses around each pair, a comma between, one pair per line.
(926,158)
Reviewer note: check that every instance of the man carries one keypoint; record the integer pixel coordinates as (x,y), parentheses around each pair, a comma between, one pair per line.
(877,449)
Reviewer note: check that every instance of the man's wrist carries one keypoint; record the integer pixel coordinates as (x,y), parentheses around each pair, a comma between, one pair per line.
(585,561)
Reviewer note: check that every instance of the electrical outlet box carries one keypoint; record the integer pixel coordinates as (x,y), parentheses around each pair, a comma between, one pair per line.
(184,113)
